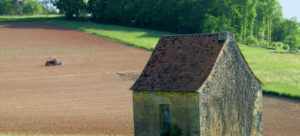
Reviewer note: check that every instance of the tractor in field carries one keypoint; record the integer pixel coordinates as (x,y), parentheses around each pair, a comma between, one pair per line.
(53,62)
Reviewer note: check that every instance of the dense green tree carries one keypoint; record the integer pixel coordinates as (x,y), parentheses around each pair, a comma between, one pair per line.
(32,7)
(258,22)
(71,8)
(97,8)
(47,7)
(5,7)
(11,7)
(290,33)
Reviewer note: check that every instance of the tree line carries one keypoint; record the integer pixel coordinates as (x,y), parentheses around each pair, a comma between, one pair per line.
(255,22)
(26,7)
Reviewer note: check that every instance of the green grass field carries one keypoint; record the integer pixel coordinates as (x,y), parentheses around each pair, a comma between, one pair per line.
(142,38)
(28,18)
(278,70)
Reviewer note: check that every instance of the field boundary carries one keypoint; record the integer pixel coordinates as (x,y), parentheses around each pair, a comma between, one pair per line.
(7,19)
(145,39)
(271,92)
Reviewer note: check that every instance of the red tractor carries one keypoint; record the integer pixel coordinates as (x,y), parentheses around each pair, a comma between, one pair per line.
(52,62)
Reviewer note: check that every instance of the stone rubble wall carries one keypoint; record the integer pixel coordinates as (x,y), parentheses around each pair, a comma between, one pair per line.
(231,99)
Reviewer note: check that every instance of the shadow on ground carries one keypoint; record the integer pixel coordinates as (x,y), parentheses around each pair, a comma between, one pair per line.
(33,25)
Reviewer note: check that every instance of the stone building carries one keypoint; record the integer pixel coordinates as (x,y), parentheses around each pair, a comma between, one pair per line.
(197,85)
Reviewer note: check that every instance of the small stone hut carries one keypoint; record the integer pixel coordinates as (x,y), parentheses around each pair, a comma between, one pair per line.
(197,85)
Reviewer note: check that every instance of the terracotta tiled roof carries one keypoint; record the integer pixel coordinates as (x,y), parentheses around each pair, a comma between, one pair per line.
(180,63)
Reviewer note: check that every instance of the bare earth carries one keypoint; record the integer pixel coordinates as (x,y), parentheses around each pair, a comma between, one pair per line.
(89,93)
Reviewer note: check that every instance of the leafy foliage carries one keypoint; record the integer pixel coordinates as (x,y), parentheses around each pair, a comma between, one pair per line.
(20,7)
(278,45)
(32,7)
(48,7)
(248,19)
(11,7)
(250,40)
(71,8)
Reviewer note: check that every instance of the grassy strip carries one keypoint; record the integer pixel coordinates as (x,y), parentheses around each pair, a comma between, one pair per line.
(278,70)
(4,19)
(141,38)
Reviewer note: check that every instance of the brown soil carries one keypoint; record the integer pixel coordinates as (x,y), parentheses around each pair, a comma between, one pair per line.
(89,93)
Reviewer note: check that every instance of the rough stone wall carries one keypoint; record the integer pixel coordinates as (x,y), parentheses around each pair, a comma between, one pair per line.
(231,99)
(184,112)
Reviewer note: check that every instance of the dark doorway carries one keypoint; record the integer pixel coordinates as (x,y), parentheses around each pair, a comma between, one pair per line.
(165,122)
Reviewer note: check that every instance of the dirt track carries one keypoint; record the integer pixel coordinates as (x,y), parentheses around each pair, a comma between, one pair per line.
(89,93)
